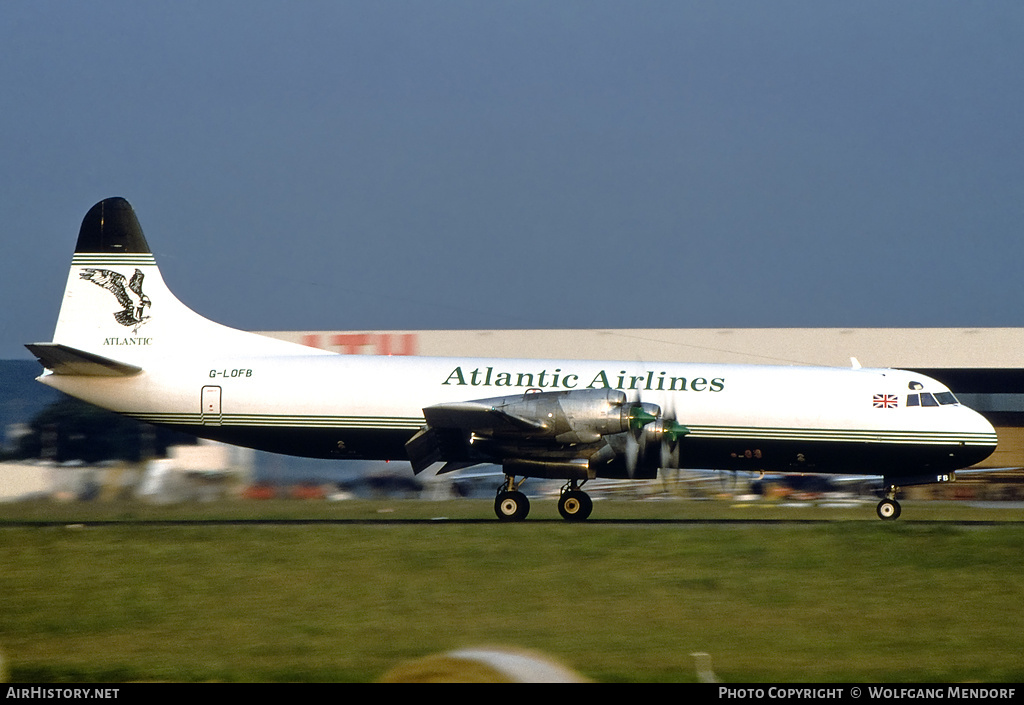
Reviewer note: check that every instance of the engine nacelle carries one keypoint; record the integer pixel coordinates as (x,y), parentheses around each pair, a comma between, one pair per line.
(572,433)
(576,416)
(546,469)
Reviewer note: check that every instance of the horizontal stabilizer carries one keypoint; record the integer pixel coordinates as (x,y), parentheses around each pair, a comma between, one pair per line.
(65,360)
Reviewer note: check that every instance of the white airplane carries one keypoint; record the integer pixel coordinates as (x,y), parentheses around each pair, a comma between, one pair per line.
(125,343)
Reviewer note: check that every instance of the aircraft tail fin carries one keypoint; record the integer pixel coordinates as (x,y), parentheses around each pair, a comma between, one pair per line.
(117,308)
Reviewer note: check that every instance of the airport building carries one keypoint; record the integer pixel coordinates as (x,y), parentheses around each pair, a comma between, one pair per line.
(983,366)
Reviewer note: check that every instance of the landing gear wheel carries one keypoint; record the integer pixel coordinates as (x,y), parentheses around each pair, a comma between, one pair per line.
(888,510)
(511,506)
(575,505)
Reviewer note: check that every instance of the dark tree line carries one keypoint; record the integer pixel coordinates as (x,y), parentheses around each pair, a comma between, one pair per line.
(70,429)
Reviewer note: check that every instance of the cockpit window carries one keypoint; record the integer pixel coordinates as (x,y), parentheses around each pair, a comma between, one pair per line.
(927,399)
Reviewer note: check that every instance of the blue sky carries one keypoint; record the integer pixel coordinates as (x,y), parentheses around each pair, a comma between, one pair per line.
(390,164)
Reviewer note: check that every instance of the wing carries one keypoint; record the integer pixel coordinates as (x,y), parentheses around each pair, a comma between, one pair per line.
(552,434)
(482,417)
(452,428)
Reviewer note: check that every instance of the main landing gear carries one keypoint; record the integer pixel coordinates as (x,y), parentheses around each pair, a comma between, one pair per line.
(574,504)
(512,505)
(889,509)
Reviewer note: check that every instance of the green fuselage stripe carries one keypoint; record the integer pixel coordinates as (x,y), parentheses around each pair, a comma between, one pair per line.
(413,423)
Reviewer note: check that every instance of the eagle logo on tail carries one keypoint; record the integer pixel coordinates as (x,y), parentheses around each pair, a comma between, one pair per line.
(127,292)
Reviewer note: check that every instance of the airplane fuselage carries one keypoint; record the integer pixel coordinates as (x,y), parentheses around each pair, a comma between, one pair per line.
(739,417)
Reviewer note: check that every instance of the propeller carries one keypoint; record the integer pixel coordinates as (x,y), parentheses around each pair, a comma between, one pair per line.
(640,415)
(671,432)
(648,426)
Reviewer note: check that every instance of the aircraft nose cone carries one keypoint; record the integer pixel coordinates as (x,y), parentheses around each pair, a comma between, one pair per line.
(980,438)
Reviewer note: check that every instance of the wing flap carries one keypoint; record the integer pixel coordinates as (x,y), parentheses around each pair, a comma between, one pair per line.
(65,360)
(449,426)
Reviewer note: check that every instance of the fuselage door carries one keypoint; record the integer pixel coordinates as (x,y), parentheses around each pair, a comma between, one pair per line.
(211,409)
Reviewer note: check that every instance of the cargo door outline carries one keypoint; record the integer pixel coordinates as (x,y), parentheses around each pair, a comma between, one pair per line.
(210,412)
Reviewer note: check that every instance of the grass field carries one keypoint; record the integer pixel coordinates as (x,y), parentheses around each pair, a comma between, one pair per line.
(854,600)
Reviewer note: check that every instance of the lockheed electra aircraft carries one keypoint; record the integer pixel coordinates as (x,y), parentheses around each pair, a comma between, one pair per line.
(125,343)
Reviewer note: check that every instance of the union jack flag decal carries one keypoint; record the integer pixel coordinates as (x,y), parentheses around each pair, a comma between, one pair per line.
(884,401)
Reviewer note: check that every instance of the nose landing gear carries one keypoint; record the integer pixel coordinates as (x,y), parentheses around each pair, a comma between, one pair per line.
(889,509)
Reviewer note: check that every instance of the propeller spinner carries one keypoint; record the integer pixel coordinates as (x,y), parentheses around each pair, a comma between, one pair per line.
(650,430)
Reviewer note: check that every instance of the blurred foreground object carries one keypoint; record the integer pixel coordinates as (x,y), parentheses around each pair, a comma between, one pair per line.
(482,665)
(703,663)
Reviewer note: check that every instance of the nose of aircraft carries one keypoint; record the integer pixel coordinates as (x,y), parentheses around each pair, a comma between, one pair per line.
(979,437)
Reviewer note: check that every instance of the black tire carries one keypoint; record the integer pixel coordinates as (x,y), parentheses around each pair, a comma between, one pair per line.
(511,506)
(888,510)
(575,505)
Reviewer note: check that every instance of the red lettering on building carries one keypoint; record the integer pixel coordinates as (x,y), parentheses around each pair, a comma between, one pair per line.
(350,343)
(365,343)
